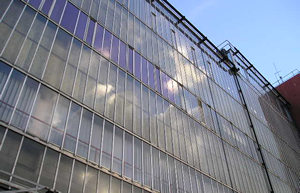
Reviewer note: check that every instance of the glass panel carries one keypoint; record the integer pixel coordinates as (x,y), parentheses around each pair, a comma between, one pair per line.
(137,65)
(69,18)
(120,98)
(147,164)
(4,71)
(59,120)
(57,10)
(49,168)
(128,156)
(80,29)
(101,86)
(130,61)
(129,103)
(144,71)
(72,127)
(84,134)
(155,162)
(127,188)
(106,44)
(107,145)
(138,160)
(10,95)
(57,60)
(115,185)
(151,75)
(41,56)
(35,3)
(9,20)
(118,150)
(82,71)
(78,177)
(90,33)
(103,183)
(15,42)
(95,148)
(47,6)
(122,57)
(98,38)
(115,49)
(70,72)
(25,103)
(9,152)
(29,160)
(64,173)
(39,122)
(91,180)
(31,43)
(111,92)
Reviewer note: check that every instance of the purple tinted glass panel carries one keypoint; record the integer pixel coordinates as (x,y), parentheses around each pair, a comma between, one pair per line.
(157,77)
(122,58)
(47,6)
(137,66)
(115,49)
(130,61)
(144,71)
(70,16)
(98,38)
(164,84)
(89,37)
(151,75)
(35,3)
(106,44)
(57,10)
(81,25)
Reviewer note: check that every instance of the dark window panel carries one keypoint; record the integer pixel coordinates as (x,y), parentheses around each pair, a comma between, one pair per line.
(35,3)
(151,75)
(144,71)
(128,156)
(90,33)
(98,38)
(115,49)
(130,61)
(64,173)
(157,80)
(137,65)
(106,44)
(46,7)
(57,10)
(70,17)
(29,160)
(49,168)
(103,183)
(4,71)
(122,57)
(8,152)
(81,24)
(91,180)
(9,20)
(78,177)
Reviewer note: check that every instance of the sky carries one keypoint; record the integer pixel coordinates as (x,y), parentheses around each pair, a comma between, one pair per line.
(267,32)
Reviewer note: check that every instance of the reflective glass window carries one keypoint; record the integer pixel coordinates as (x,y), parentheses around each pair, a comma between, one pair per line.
(85,133)
(78,177)
(40,120)
(80,29)
(49,168)
(57,10)
(69,18)
(128,156)
(118,150)
(107,145)
(63,173)
(97,131)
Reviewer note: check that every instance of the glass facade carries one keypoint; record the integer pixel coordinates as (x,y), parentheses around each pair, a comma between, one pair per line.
(120,96)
